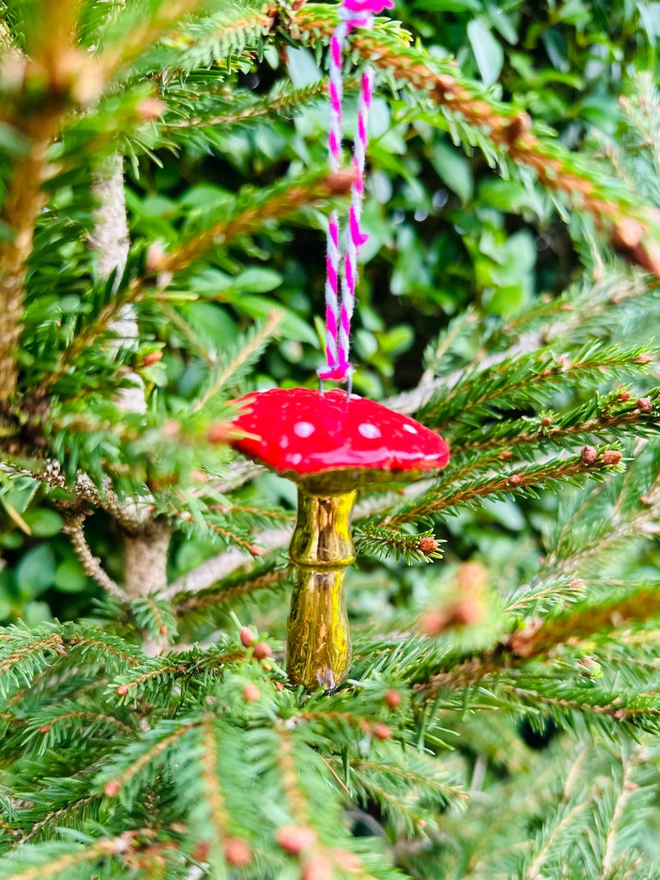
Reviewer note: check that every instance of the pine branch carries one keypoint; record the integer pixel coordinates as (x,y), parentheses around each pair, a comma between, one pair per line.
(516,382)
(249,585)
(282,99)
(240,359)
(269,204)
(522,481)
(632,226)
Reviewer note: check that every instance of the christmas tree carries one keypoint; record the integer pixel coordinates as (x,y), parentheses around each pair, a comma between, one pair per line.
(165,193)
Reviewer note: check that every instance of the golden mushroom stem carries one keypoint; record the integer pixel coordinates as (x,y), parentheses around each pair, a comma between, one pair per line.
(318,643)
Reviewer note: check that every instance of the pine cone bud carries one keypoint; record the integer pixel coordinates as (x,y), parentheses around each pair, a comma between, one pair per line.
(162,630)
(238,853)
(393,699)
(515,479)
(247,637)
(111,789)
(624,395)
(220,432)
(428,544)
(201,851)
(151,108)
(255,550)
(279,686)
(506,454)
(611,457)
(262,650)
(171,428)
(317,868)
(382,731)
(44,728)
(122,690)
(546,421)
(589,454)
(643,359)
(152,358)
(294,839)
(644,405)
(341,181)
(347,861)
(251,693)
(433,621)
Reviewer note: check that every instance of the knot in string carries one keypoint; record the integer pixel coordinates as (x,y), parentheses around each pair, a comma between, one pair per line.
(352,13)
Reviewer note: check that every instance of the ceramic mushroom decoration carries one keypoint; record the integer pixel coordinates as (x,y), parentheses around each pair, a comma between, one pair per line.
(329,446)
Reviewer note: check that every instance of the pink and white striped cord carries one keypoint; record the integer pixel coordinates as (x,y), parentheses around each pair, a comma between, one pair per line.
(354,13)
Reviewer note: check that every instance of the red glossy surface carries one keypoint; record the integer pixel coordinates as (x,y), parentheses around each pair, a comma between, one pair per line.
(302,431)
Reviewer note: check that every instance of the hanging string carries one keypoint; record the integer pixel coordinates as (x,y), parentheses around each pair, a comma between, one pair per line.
(353,13)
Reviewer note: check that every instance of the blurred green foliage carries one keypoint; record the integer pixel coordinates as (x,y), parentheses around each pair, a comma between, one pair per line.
(445,232)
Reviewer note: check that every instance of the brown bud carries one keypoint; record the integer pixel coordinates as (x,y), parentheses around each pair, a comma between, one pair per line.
(506,454)
(589,454)
(220,432)
(162,630)
(199,476)
(620,714)
(155,256)
(628,240)
(467,612)
(294,839)
(201,851)
(643,359)
(611,457)
(251,693)
(247,637)
(428,544)
(279,686)
(382,731)
(317,868)
(433,621)
(646,499)
(151,108)
(546,421)
(644,405)
(341,181)
(517,127)
(262,650)
(515,479)
(472,577)
(238,853)
(171,428)
(111,789)
(624,395)
(522,642)
(392,699)
(122,690)
(152,358)
(44,728)
(255,550)
(347,861)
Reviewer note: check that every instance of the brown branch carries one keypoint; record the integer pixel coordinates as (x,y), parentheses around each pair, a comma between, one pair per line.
(91,565)
(632,227)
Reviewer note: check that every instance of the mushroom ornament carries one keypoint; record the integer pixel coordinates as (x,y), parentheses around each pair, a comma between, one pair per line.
(330,445)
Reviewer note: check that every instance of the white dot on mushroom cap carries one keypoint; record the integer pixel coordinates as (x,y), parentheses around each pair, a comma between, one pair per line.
(410,429)
(303,429)
(284,442)
(296,458)
(371,432)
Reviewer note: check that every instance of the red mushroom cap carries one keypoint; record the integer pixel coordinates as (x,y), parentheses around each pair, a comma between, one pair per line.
(334,444)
